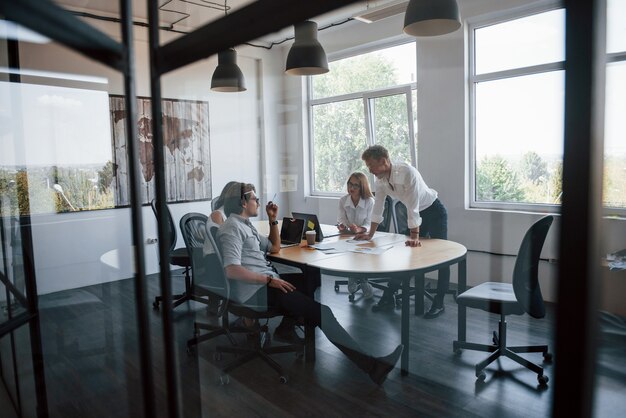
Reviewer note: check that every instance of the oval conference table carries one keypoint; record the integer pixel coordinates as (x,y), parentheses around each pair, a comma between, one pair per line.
(397,260)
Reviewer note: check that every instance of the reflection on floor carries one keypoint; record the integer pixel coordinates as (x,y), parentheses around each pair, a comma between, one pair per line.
(92,366)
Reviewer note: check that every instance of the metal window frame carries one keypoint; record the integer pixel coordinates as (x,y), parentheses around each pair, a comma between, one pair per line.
(474,79)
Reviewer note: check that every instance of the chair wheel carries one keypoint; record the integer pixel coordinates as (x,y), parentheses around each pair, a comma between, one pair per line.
(547,356)
(224,379)
(283,379)
(543,380)
(336,288)
(481,376)
(351,297)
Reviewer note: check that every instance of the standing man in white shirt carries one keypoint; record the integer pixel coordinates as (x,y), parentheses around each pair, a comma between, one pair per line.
(427,216)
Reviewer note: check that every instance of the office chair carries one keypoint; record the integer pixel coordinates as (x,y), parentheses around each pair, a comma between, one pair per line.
(178,257)
(523,295)
(219,287)
(194,231)
(384,226)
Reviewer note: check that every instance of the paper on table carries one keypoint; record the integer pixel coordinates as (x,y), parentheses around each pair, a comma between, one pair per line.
(370,250)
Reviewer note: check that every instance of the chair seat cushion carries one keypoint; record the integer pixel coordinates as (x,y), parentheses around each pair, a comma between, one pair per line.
(180,257)
(492,297)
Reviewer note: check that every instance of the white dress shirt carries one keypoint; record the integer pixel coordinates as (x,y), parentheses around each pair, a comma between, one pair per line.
(407,185)
(359,215)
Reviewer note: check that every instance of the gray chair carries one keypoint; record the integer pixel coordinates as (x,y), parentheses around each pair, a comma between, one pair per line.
(179,257)
(522,296)
(217,285)
(193,227)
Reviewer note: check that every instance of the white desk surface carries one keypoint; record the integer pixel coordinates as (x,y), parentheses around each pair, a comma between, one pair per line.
(399,258)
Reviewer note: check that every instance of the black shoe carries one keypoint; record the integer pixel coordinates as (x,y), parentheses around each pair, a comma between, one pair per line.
(239,325)
(287,334)
(434,311)
(383,365)
(384,304)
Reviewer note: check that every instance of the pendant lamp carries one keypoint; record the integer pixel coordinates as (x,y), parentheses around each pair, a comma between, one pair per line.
(227,77)
(431,17)
(306,56)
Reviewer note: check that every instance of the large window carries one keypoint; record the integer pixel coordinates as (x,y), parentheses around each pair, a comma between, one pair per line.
(517,85)
(517,106)
(365,99)
(614,190)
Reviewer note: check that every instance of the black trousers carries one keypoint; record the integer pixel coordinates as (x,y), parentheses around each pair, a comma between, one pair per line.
(299,304)
(434,225)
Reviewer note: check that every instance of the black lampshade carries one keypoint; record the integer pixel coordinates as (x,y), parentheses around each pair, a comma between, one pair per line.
(228,76)
(306,56)
(431,17)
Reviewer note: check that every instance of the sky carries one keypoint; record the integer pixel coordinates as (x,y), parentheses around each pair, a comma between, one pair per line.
(522,114)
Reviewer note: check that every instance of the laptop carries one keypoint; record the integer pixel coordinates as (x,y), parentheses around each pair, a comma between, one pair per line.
(291,232)
(311,223)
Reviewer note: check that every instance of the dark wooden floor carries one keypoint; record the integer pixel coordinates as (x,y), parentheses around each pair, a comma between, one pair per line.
(92,367)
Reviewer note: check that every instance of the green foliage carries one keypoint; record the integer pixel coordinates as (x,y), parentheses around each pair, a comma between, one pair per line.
(361,73)
(534,168)
(497,182)
(614,190)
(339,127)
(392,126)
(31,191)
(556,184)
(105,177)
(339,133)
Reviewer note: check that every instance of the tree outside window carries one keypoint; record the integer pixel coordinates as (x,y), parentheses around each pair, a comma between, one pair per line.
(364,99)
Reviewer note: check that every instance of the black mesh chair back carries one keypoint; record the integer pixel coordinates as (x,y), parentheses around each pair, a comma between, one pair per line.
(385,225)
(400,217)
(208,274)
(525,274)
(178,257)
(170,224)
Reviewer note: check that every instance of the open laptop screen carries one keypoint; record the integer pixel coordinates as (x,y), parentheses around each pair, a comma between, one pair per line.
(311,223)
(291,231)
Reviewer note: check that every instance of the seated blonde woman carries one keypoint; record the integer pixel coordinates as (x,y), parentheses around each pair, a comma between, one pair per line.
(354,217)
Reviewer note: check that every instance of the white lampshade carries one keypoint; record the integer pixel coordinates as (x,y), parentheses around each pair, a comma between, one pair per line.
(431,17)
(227,77)
(306,56)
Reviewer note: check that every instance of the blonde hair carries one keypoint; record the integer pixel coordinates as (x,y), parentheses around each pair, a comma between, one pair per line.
(364,184)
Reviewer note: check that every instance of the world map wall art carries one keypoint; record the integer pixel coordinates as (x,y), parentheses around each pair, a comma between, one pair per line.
(186,149)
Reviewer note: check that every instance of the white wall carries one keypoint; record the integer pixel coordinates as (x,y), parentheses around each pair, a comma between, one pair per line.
(442,147)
